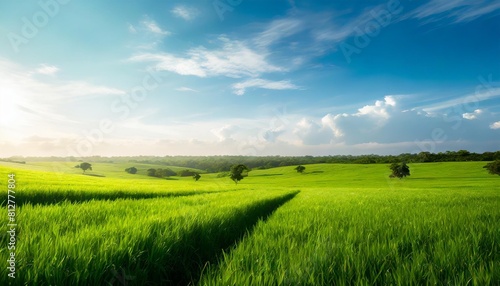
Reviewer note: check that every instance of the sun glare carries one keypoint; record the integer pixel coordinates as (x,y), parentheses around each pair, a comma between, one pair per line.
(10,113)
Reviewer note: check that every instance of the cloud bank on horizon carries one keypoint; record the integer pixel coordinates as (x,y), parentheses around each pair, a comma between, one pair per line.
(82,78)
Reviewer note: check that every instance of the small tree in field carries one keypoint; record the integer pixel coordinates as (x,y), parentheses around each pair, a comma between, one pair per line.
(196,177)
(300,169)
(237,172)
(493,167)
(399,170)
(85,166)
(131,170)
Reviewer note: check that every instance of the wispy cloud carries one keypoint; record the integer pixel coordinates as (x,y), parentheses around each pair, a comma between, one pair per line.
(277,30)
(185,12)
(148,33)
(470,98)
(47,70)
(81,89)
(234,59)
(25,98)
(455,11)
(336,31)
(241,87)
(132,29)
(186,89)
(153,27)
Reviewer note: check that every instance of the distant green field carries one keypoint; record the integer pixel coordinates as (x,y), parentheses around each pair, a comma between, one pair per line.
(335,224)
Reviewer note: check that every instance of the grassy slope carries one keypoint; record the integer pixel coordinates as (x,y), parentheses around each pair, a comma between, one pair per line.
(455,204)
(351,224)
(114,170)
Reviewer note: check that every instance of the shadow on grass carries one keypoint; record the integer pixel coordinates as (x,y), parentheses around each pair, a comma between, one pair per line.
(54,198)
(93,175)
(181,262)
(267,175)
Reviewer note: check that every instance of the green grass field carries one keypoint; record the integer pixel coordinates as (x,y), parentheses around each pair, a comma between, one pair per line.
(336,224)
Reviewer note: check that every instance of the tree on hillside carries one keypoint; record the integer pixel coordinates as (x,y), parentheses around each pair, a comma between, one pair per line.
(300,169)
(168,173)
(161,173)
(151,172)
(399,170)
(85,166)
(493,167)
(196,177)
(131,170)
(186,173)
(237,172)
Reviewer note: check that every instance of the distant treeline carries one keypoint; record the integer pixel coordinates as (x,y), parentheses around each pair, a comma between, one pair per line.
(224,163)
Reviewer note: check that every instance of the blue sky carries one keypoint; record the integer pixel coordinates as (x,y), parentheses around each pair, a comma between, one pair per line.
(284,77)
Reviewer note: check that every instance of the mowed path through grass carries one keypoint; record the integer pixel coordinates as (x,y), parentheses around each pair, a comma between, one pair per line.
(350,224)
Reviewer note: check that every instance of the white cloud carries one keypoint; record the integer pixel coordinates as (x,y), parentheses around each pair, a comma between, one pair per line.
(380,109)
(234,59)
(386,123)
(184,12)
(330,121)
(340,127)
(186,89)
(495,125)
(47,70)
(153,27)
(226,132)
(472,115)
(313,133)
(240,88)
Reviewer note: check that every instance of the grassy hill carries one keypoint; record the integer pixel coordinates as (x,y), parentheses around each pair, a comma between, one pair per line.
(114,170)
(334,224)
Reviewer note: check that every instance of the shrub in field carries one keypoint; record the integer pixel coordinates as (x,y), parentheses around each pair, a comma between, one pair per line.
(493,167)
(131,170)
(196,177)
(300,169)
(399,170)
